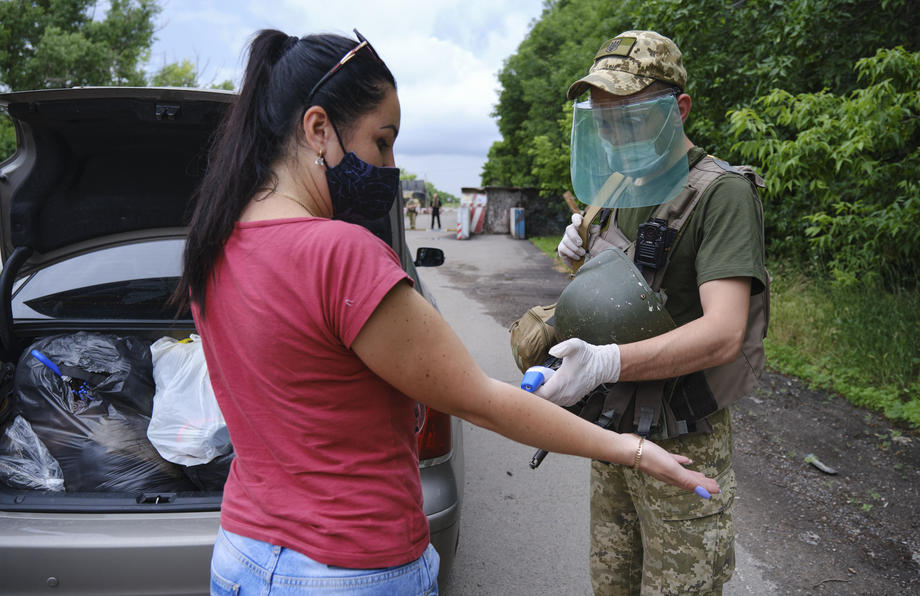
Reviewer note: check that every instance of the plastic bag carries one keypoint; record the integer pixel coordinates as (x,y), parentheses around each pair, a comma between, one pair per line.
(98,430)
(25,462)
(186,426)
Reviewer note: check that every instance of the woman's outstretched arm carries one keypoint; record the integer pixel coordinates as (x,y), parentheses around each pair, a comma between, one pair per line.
(409,344)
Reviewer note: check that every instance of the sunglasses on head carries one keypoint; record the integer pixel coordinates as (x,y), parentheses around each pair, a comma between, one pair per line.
(362,43)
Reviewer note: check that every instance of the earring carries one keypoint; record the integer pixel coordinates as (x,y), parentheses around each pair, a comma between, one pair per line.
(319,159)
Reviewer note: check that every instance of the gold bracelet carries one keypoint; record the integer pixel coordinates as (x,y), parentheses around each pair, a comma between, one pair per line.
(638,457)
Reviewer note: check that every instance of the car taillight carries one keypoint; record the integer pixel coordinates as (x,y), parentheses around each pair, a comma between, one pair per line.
(434,438)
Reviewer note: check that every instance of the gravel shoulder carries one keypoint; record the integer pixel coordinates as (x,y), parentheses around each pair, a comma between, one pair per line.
(853,532)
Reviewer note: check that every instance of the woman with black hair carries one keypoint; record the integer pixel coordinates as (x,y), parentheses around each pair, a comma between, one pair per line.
(318,347)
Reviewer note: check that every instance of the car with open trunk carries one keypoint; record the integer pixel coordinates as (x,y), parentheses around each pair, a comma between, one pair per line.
(93,208)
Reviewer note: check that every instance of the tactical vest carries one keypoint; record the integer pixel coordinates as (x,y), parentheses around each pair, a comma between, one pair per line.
(673,407)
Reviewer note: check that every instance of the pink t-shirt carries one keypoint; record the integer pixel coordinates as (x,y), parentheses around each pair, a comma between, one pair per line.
(326,455)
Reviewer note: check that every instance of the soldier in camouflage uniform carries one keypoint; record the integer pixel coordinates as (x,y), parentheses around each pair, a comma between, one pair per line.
(647,537)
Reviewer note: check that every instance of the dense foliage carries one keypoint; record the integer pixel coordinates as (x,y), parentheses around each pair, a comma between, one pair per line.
(836,141)
(844,172)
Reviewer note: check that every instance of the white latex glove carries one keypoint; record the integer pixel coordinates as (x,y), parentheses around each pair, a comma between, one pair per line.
(570,249)
(584,367)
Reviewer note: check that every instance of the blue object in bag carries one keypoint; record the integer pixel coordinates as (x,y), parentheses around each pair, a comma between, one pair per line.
(80,387)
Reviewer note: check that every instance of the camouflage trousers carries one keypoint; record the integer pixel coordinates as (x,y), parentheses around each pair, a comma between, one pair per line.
(648,537)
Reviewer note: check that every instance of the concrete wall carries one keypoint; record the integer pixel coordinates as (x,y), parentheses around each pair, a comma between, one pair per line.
(543,216)
(500,199)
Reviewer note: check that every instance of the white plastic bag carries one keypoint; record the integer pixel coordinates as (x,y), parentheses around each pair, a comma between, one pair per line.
(186,426)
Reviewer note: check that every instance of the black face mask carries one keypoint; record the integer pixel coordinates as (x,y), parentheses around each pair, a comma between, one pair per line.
(360,192)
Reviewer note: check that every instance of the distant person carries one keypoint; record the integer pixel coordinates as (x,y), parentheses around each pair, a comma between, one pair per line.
(412,208)
(319,348)
(435,210)
(645,537)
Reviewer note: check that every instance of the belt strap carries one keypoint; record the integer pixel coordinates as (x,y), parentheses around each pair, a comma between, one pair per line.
(591,212)
(648,406)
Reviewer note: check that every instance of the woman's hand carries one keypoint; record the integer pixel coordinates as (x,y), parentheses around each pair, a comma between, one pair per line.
(669,467)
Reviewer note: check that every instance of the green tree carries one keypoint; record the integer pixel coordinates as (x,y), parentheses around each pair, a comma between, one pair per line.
(176,74)
(445,196)
(227,85)
(7,136)
(184,74)
(534,81)
(60,43)
(843,172)
(734,52)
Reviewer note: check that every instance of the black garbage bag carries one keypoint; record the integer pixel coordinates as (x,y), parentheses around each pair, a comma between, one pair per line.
(212,475)
(88,397)
(7,369)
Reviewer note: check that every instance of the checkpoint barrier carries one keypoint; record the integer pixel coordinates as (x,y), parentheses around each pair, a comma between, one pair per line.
(471,215)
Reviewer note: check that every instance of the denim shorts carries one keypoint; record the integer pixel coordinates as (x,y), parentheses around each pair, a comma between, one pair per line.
(244,566)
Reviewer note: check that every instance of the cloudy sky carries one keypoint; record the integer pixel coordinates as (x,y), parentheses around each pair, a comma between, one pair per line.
(445,55)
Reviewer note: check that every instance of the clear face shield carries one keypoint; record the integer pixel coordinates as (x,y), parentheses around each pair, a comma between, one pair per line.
(630,155)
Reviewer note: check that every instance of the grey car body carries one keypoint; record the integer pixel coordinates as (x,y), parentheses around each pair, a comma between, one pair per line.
(96,196)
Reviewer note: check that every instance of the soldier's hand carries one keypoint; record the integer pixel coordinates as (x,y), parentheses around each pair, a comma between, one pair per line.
(584,367)
(570,249)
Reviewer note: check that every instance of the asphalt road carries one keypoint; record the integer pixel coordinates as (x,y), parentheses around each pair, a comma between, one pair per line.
(522,531)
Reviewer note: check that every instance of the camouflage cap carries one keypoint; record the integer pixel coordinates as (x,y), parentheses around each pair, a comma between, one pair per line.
(632,61)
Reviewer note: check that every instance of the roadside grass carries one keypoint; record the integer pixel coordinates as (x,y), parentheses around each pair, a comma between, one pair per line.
(548,245)
(860,343)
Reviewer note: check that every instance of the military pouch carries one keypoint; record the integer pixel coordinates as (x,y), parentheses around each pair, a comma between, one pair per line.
(532,336)
(691,401)
(659,410)
(634,407)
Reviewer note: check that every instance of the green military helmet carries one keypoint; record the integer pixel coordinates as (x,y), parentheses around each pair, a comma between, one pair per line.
(609,301)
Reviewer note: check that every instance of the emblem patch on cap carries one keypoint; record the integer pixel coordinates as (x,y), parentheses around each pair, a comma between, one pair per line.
(618,46)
